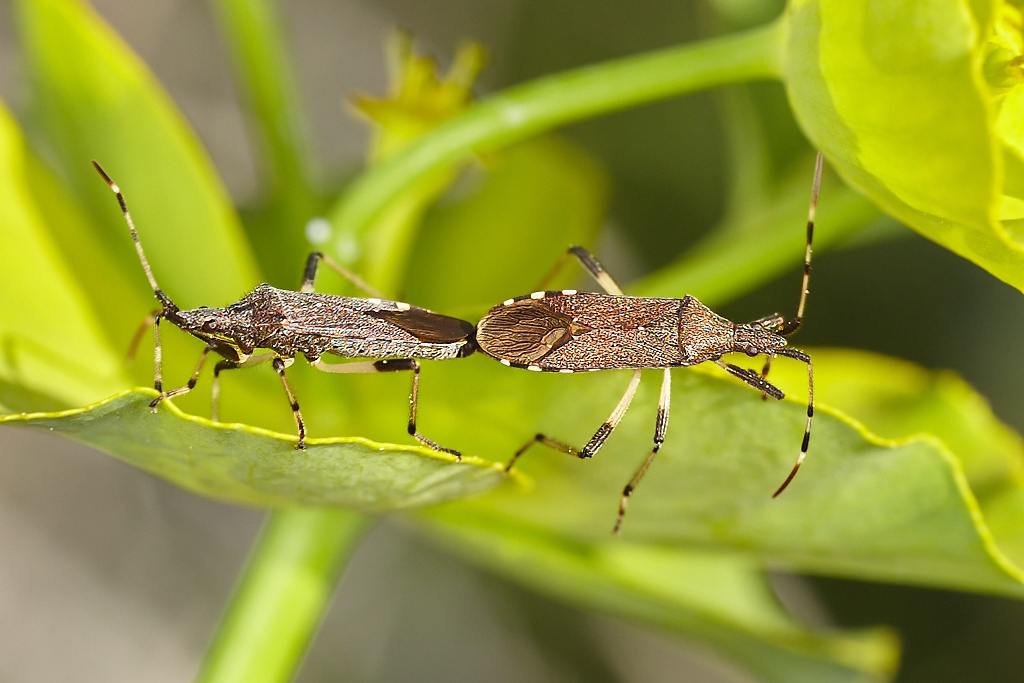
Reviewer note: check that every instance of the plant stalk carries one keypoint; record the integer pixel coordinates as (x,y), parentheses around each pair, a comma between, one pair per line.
(282,595)
(543,104)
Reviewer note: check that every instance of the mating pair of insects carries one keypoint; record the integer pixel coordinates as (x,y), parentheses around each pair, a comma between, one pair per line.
(562,331)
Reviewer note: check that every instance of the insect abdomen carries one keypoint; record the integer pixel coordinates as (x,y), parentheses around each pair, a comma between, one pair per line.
(568,331)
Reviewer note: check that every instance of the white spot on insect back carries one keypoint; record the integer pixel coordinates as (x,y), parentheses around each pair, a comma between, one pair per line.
(505,363)
(318,230)
(566,371)
(374,301)
(402,306)
(537,295)
(535,368)
(508,302)
(568,292)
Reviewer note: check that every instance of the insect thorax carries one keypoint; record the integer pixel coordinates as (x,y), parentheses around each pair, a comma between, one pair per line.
(703,334)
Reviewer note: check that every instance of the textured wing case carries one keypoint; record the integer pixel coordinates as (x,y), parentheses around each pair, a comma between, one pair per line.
(566,331)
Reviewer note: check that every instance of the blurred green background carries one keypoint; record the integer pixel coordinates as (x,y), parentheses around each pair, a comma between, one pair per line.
(124,576)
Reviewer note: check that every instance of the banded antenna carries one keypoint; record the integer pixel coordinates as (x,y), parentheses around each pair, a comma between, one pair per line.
(163,298)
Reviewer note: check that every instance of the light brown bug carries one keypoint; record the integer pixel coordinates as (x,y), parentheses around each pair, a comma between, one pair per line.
(568,331)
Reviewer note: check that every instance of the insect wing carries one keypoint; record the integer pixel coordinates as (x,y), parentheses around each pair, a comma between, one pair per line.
(524,332)
(427,326)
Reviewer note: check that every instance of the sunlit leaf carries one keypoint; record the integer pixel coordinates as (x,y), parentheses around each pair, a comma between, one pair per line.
(720,600)
(241,464)
(92,98)
(527,204)
(916,106)
(52,349)
(862,506)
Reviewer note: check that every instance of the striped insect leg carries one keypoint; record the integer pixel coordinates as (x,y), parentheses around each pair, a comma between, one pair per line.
(596,441)
(801,356)
(158,354)
(133,345)
(752,378)
(309,274)
(189,386)
(231,365)
(764,374)
(279,366)
(590,264)
(660,427)
(392,365)
(594,267)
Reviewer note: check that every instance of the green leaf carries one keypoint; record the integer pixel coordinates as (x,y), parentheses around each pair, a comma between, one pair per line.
(897,400)
(541,105)
(286,587)
(253,33)
(241,464)
(527,205)
(764,240)
(93,99)
(895,95)
(862,506)
(52,349)
(901,400)
(719,600)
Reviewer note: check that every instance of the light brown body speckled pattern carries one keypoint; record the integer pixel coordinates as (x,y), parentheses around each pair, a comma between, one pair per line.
(569,331)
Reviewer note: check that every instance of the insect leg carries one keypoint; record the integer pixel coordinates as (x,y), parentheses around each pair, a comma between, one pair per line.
(764,373)
(596,441)
(226,364)
(188,386)
(309,275)
(280,364)
(158,380)
(414,397)
(753,379)
(133,345)
(547,441)
(660,427)
(592,266)
(801,356)
(391,365)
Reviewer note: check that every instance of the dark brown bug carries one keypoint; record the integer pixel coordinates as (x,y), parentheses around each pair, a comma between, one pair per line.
(568,331)
(291,323)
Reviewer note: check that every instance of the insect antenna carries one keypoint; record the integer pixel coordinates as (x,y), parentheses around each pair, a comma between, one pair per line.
(164,299)
(792,325)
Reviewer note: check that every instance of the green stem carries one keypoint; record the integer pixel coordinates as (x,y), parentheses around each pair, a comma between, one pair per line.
(252,31)
(739,256)
(282,596)
(546,103)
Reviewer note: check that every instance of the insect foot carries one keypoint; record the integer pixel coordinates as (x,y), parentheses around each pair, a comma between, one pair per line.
(291,323)
(568,331)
